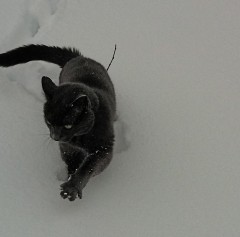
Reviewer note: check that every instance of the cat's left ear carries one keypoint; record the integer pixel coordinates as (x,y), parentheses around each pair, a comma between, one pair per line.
(48,87)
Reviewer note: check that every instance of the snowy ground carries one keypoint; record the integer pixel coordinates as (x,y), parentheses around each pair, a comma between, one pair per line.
(176,168)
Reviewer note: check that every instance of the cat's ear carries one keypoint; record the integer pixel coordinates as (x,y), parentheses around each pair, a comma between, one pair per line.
(82,101)
(48,87)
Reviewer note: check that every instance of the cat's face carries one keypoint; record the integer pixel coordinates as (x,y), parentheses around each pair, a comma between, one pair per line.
(67,111)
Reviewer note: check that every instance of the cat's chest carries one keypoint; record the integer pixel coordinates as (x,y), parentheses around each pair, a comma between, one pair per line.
(78,144)
(70,150)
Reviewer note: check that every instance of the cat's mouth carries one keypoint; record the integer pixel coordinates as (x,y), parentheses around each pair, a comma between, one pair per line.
(58,138)
(72,140)
(54,137)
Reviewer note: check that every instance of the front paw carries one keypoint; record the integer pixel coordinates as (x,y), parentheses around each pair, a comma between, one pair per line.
(71,190)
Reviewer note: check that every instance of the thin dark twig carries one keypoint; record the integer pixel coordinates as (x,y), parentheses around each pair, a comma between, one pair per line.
(112,57)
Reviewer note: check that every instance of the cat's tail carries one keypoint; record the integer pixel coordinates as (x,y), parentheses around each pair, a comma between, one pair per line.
(27,53)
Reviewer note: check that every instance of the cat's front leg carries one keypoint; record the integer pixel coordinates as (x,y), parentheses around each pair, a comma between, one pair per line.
(93,165)
(71,189)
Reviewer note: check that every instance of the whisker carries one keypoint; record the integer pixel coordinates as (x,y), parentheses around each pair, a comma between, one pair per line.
(40,134)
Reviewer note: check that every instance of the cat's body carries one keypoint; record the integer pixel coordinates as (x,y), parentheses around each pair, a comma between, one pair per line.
(79,112)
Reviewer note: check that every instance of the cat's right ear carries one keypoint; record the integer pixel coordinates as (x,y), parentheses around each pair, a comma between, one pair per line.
(48,87)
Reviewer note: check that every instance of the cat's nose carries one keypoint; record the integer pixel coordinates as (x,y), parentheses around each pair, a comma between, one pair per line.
(54,135)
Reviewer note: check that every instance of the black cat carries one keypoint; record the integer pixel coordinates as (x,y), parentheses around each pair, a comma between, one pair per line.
(79,112)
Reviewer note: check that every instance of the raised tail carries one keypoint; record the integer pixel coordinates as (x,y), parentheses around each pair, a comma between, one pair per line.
(27,53)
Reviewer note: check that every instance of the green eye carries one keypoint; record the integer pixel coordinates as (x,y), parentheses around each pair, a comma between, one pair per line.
(68,126)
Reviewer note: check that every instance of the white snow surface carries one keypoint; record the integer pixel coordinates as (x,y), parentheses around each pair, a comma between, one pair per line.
(176,167)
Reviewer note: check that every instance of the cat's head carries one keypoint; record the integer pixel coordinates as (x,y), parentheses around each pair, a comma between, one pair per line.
(68,111)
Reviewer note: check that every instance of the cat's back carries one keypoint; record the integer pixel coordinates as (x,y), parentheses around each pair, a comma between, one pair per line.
(87,71)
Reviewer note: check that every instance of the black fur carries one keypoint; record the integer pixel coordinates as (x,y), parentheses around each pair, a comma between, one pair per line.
(27,53)
(79,112)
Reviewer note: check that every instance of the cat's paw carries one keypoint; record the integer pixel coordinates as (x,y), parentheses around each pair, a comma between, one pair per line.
(71,191)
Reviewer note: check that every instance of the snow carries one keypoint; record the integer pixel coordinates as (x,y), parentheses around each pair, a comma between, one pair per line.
(176,167)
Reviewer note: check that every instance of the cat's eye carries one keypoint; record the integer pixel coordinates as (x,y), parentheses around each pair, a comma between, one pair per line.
(68,126)
(48,123)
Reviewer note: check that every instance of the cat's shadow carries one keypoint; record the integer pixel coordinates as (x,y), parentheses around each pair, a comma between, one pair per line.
(122,141)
